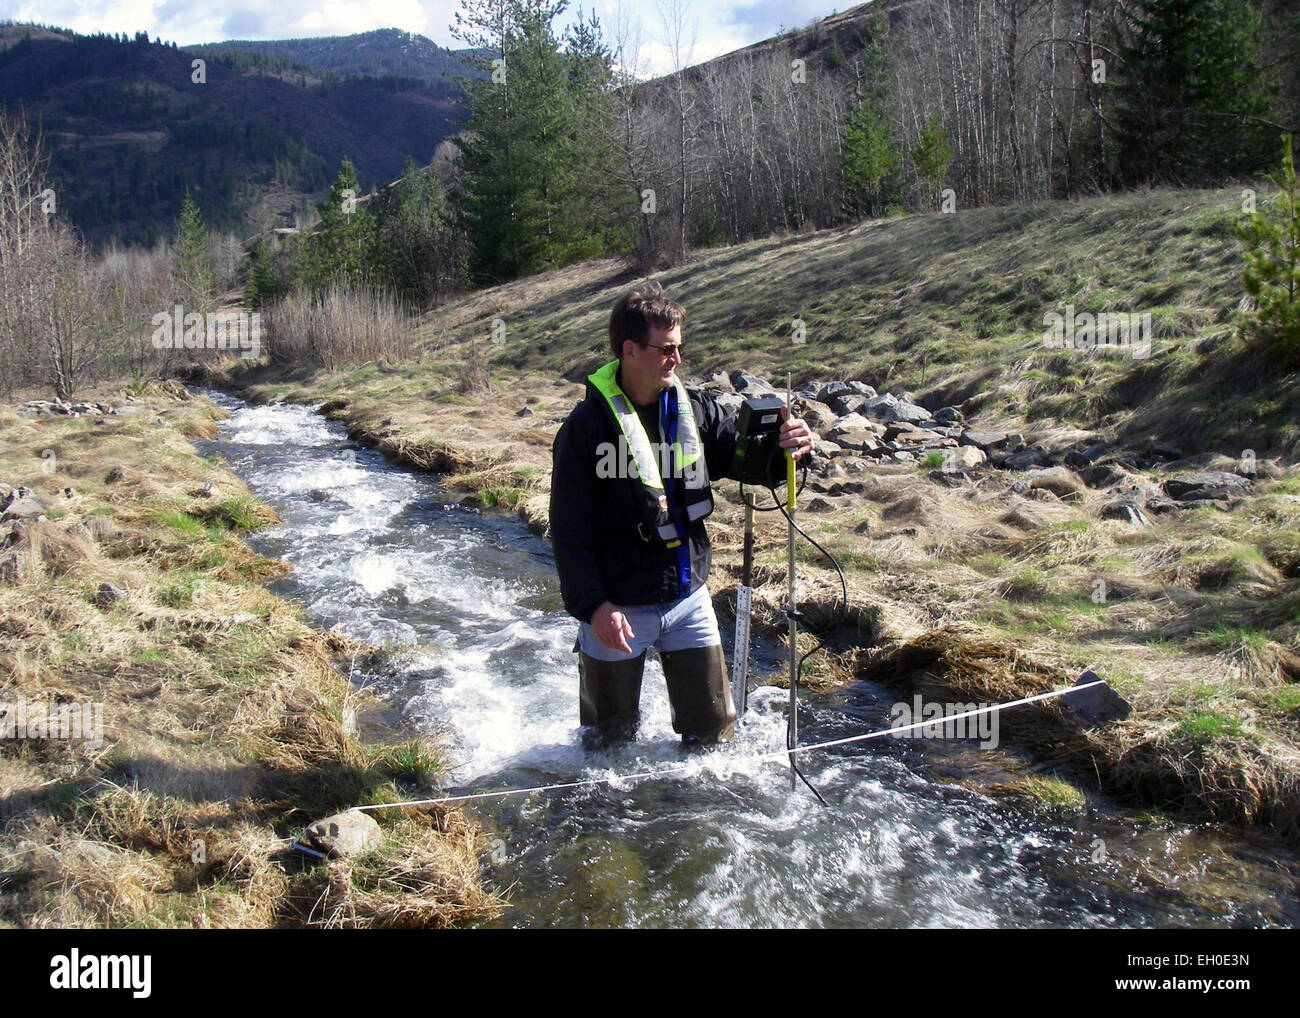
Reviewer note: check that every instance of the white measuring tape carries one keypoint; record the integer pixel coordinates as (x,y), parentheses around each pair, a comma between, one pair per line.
(782,754)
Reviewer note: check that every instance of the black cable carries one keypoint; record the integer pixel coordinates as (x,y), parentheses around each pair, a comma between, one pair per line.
(797,492)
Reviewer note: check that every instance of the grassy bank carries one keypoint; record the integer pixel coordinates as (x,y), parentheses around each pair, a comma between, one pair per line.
(961,587)
(227,718)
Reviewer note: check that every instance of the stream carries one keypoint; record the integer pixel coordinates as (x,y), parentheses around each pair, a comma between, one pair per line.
(469,603)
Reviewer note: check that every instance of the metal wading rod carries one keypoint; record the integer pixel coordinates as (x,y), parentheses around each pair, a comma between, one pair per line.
(792,723)
(744,600)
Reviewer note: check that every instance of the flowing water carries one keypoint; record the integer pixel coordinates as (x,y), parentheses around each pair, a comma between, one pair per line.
(470,604)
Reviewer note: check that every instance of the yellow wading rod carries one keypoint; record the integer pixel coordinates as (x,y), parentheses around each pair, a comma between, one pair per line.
(792,723)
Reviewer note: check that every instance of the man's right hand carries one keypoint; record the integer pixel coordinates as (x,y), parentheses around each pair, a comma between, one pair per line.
(612,627)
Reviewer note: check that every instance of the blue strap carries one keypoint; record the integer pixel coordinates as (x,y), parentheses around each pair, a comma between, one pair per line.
(668,425)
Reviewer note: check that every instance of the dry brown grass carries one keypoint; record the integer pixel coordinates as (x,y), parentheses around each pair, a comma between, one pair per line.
(223,710)
(429,870)
(1245,776)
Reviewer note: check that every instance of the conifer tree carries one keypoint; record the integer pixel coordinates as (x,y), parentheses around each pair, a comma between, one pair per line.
(1193,103)
(1272,275)
(530,151)
(870,158)
(341,250)
(931,157)
(192,269)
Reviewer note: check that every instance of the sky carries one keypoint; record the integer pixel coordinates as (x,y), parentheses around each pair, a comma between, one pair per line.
(716,28)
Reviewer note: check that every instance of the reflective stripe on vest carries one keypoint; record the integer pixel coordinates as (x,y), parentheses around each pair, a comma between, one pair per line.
(688,460)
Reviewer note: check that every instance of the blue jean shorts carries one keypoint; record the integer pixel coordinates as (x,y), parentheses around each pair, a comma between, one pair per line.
(674,625)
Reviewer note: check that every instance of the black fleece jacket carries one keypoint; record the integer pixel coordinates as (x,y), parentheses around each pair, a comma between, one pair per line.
(599,553)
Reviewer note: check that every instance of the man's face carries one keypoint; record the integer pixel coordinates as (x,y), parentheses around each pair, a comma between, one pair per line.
(648,363)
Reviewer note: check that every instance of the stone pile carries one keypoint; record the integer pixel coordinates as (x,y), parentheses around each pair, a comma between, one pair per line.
(857,429)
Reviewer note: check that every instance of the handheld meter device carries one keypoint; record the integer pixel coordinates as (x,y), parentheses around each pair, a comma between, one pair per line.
(759,426)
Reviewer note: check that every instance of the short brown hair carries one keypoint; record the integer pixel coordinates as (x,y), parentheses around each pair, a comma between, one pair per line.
(637,310)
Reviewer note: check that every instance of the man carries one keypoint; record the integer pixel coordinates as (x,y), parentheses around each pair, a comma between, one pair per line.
(629,495)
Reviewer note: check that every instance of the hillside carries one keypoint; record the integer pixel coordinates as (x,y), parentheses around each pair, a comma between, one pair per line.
(950,308)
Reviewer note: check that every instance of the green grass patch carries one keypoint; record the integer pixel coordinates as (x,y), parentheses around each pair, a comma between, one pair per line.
(242,512)
(414,761)
(1285,486)
(1206,726)
(1283,700)
(501,496)
(1049,791)
(182,523)
(1225,638)
(180,592)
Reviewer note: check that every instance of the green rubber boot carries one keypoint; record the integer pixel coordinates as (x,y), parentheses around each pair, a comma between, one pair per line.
(703,711)
(609,700)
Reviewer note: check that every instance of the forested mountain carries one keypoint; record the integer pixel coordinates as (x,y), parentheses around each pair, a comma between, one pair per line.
(383,53)
(132,123)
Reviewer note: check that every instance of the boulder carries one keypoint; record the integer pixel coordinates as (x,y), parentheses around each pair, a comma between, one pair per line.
(1097,703)
(901,431)
(825,449)
(847,403)
(983,439)
(41,409)
(1106,475)
(850,422)
(964,457)
(1028,459)
(949,415)
(344,835)
(935,428)
(1161,506)
(818,415)
(1218,485)
(1127,510)
(108,594)
(859,440)
(1081,458)
(890,408)
(750,385)
(850,388)
(21,504)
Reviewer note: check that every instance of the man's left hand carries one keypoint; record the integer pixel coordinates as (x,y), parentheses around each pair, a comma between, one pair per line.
(797,437)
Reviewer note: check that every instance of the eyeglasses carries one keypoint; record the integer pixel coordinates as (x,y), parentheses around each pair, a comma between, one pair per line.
(667,350)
